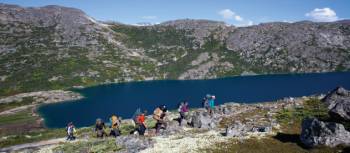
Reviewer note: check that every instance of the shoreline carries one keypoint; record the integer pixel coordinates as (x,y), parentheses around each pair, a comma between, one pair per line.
(37,99)
(217,78)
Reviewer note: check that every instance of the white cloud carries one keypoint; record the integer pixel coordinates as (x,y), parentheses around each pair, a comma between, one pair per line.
(322,15)
(149,17)
(230,15)
(227,14)
(238,18)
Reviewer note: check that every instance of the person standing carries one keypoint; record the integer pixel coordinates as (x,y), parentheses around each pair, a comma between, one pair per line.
(141,126)
(183,111)
(70,131)
(115,123)
(211,105)
(159,114)
(100,128)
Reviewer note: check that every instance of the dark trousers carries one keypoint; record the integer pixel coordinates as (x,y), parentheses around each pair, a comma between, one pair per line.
(70,136)
(182,116)
(100,133)
(115,132)
(141,129)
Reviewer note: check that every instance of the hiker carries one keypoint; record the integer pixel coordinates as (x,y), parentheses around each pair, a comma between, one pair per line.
(211,104)
(100,128)
(179,110)
(159,114)
(183,111)
(140,123)
(205,102)
(70,131)
(115,123)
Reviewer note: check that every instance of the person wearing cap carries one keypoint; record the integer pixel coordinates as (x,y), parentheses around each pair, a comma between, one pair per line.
(100,128)
(158,114)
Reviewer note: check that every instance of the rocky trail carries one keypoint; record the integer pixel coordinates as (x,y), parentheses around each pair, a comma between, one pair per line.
(39,144)
(17,109)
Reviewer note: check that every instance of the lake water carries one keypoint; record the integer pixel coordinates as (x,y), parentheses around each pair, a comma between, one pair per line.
(124,98)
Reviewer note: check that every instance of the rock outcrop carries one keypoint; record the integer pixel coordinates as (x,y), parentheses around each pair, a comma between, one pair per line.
(202,119)
(315,133)
(338,103)
(133,143)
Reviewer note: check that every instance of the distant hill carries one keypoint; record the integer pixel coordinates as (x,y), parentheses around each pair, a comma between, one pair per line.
(56,47)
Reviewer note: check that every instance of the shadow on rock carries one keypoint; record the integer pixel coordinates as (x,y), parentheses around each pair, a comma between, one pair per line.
(292,138)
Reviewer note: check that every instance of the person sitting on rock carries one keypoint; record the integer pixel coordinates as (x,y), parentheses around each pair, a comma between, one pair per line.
(115,123)
(159,114)
(140,122)
(183,112)
(70,131)
(100,128)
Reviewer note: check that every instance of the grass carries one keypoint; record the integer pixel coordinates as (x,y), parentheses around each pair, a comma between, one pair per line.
(226,121)
(92,146)
(20,117)
(311,108)
(7,106)
(29,137)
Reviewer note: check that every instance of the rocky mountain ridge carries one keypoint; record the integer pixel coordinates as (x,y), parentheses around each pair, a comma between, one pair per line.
(54,47)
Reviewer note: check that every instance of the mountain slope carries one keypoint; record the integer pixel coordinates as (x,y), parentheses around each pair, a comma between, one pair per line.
(56,47)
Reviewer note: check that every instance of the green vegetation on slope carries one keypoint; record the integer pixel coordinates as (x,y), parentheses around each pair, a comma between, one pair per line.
(92,146)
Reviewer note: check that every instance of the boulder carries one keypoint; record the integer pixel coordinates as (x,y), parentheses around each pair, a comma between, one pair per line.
(134,143)
(237,130)
(202,120)
(266,129)
(315,133)
(172,128)
(338,103)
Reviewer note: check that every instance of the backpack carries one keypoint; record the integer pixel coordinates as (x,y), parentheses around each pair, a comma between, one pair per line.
(140,118)
(114,121)
(157,113)
(136,114)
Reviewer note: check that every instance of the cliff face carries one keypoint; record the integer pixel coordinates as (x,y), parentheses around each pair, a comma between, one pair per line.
(55,47)
(296,47)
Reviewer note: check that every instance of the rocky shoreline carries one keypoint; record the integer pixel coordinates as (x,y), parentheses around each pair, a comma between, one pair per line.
(52,96)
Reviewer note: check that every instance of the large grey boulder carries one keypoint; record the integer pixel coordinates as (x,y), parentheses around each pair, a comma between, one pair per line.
(133,143)
(315,133)
(172,128)
(338,103)
(202,120)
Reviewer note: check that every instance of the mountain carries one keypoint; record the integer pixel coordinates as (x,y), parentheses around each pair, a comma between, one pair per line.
(56,47)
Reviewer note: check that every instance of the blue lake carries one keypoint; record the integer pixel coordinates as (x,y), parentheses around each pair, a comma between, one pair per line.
(124,98)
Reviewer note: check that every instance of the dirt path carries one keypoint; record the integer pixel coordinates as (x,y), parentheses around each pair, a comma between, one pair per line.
(33,145)
(17,109)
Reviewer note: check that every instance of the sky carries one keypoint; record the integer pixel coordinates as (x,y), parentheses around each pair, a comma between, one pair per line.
(235,12)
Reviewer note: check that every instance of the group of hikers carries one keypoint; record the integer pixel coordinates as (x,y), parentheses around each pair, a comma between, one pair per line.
(139,119)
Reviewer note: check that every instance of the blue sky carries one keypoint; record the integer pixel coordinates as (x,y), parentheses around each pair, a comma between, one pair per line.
(237,12)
